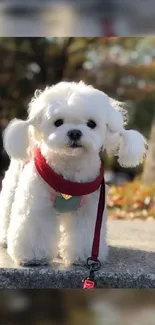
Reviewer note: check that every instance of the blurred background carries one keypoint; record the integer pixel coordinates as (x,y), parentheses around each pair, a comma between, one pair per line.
(124,68)
(110,307)
(76,17)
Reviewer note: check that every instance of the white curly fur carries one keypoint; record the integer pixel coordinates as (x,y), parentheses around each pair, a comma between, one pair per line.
(29,225)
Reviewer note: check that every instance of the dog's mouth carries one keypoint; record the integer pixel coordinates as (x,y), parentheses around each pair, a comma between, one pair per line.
(75,145)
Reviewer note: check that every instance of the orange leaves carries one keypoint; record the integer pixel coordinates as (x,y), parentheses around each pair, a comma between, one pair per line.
(131,201)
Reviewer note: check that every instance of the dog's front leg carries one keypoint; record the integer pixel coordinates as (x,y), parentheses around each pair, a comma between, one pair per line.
(76,237)
(7,195)
(33,231)
(77,233)
(71,245)
(32,238)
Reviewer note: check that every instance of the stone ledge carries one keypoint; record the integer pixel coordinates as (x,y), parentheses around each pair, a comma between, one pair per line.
(131,263)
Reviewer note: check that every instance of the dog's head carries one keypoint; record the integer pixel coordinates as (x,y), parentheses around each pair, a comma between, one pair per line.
(75,118)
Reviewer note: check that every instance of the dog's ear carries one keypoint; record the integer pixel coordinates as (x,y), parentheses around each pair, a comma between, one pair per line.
(16,138)
(132,149)
(116,119)
(20,137)
(128,145)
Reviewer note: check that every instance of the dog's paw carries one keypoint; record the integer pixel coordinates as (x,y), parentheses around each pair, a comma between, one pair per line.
(34,262)
(75,262)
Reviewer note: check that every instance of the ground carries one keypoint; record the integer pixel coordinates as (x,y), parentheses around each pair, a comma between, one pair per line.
(131,262)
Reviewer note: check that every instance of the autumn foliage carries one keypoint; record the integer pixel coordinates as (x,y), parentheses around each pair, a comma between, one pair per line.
(132,200)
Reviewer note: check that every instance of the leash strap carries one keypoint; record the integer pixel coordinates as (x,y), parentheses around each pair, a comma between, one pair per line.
(93,263)
(97,232)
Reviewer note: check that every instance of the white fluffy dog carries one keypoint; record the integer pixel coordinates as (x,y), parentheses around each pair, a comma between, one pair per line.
(70,123)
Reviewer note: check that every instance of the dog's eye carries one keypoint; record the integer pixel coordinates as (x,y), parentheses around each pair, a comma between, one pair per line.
(91,124)
(59,122)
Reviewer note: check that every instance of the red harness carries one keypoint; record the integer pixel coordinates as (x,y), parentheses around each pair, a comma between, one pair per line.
(59,184)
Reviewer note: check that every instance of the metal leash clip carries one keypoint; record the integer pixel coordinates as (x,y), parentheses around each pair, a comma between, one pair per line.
(93,266)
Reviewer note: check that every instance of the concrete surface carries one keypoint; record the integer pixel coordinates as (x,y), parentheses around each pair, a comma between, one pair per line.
(131,262)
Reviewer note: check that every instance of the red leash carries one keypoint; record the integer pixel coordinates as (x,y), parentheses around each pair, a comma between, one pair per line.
(59,184)
(93,262)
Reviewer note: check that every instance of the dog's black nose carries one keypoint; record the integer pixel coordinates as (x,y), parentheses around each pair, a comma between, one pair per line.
(74,134)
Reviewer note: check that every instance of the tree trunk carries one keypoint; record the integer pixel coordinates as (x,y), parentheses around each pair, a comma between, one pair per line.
(148,176)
